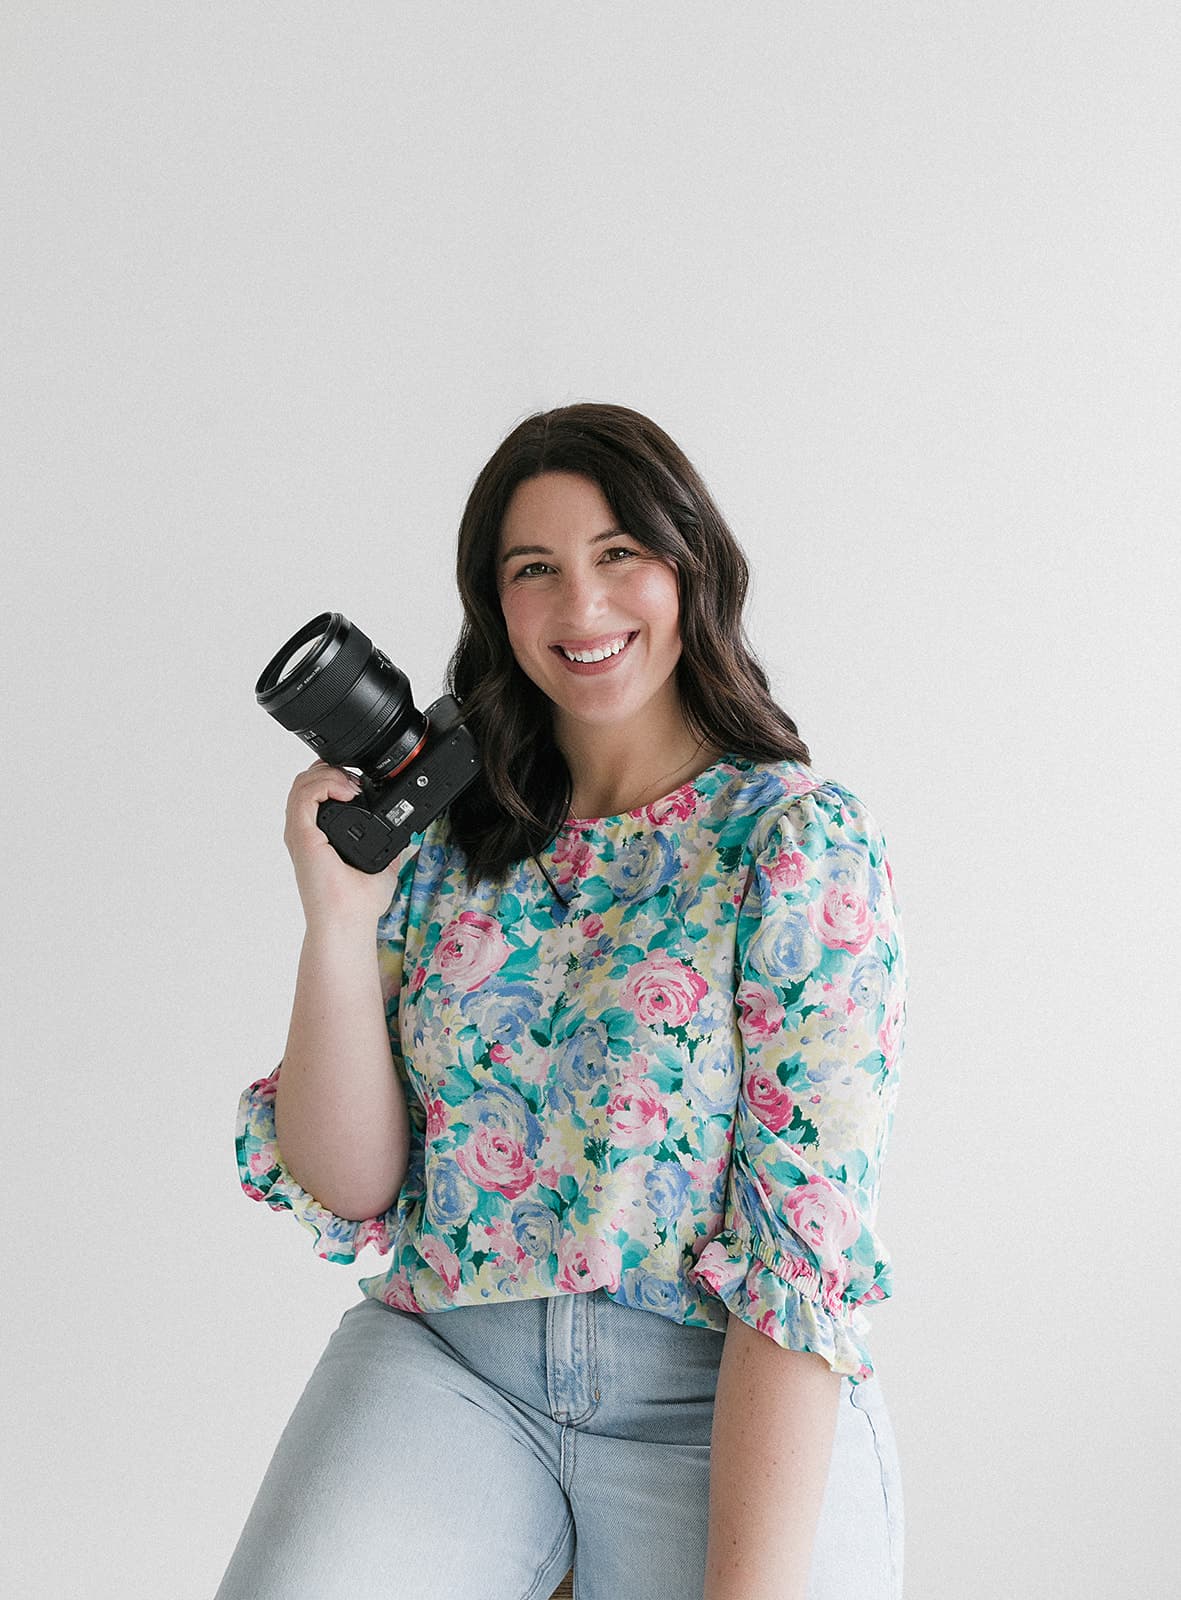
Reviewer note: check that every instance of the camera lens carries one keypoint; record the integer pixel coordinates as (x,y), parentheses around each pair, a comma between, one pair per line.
(352,705)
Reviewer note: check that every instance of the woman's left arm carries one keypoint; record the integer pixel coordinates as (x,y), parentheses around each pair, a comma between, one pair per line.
(821,996)
(775,1415)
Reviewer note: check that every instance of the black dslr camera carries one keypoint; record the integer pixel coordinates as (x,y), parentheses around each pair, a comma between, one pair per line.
(348,701)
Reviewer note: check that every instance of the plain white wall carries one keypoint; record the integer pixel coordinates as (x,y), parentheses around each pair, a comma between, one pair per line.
(901,279)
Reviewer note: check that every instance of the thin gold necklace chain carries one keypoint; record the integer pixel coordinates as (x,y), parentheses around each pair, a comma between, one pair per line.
(573,816)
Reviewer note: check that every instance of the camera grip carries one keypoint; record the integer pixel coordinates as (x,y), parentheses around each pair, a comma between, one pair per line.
(359,836)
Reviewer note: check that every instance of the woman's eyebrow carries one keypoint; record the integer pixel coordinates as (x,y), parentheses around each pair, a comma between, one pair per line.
(542,550)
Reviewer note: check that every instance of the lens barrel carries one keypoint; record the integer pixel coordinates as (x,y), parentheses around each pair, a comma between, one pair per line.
(343,697)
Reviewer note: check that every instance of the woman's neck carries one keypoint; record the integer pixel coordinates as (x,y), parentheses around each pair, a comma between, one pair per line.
(613,771)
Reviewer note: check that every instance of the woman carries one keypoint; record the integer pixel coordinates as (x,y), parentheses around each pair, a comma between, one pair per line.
(614,1093)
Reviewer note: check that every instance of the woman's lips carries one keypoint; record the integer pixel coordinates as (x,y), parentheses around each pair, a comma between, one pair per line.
(589,669)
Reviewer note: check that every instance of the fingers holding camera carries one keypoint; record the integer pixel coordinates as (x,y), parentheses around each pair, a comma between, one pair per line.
(311,788)
(325,782)
(332,892)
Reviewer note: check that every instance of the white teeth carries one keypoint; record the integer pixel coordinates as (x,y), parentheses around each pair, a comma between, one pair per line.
(594,655)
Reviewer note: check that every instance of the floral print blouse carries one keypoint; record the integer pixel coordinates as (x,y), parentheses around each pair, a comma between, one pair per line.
(678,1090)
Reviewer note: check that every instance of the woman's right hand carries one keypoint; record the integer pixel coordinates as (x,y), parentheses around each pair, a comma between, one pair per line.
(332,892)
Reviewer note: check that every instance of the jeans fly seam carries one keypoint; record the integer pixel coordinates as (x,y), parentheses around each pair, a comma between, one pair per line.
(566,1477)
(564,1417)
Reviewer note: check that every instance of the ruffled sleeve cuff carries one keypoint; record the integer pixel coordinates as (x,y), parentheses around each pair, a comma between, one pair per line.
(782,1297)
(263,1176)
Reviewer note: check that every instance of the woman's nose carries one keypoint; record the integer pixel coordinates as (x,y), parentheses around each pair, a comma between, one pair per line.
(583,595)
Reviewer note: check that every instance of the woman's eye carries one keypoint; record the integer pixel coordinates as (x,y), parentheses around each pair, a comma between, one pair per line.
(613,556)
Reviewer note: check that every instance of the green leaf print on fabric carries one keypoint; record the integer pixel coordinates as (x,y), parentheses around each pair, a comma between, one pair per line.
(597,1152)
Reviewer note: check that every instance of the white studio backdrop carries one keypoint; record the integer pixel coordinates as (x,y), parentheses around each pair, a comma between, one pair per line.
(902,282)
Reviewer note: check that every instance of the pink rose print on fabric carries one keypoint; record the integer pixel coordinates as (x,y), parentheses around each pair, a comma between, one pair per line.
(493,1159)
(261,1161)
(676,807)
(662,989)
(717,1268)
(573,857)
(636,1066)
(704,1172)
(471,948)
(436,1118)
(444,1260)
(769,1100)
(636,1114)
(593,1264)
(762,1015)
(825,1218)
(710,1277)
(841,920)
(372,1232)
(500,1240)
(832,1286)
(787,870)
(801,783)
(399,1294)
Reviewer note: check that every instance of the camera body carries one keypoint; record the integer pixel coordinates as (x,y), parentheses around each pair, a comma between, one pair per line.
(348,701)
(369,832)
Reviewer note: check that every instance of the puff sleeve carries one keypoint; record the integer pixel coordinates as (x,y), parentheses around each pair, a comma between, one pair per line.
(820,976)
(261,1168)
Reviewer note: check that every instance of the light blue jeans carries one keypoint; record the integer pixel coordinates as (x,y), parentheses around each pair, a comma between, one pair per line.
(477,1453)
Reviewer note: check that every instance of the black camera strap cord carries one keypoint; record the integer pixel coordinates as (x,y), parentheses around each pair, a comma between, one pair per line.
(558,895)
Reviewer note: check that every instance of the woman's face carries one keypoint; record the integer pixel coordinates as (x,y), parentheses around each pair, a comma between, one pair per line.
(574,584)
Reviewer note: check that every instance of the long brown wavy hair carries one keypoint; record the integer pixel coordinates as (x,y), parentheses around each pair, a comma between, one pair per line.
(516,806)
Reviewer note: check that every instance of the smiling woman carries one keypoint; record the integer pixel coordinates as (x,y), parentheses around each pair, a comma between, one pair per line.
(592,620)
(605,1065)
(589,526)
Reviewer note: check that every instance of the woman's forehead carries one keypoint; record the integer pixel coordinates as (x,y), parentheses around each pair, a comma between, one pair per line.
(556,506)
